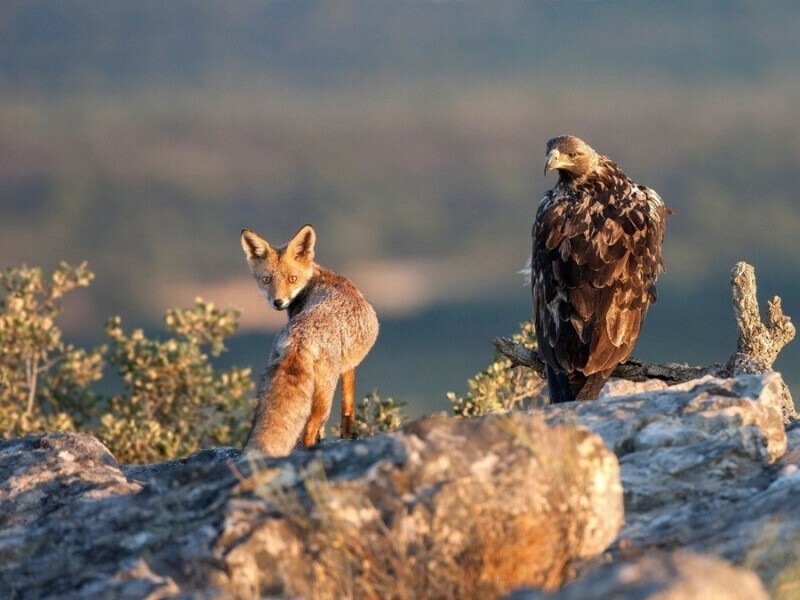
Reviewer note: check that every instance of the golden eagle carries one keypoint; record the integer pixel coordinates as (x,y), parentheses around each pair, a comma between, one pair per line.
(596,255)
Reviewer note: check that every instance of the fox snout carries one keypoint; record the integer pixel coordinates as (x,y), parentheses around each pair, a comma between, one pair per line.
(273,298)
(278,294)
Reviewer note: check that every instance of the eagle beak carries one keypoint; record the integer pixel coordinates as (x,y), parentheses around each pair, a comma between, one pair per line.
(552,160)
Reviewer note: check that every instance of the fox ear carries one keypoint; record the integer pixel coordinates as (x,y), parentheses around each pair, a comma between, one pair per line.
(253,245)
(302,244)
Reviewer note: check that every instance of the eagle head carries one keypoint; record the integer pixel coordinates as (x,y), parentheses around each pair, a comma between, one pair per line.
(571,156)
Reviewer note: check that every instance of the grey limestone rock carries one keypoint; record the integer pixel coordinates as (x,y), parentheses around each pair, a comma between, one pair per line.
(680,575)
(76,525)
(706,465)
(502,494)
(706,470)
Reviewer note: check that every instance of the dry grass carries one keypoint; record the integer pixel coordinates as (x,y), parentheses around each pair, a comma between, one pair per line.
(538,538)
(345,562)
(771,552)
(476,542)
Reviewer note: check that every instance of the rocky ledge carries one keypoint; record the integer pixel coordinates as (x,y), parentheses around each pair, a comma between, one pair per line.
(529,504)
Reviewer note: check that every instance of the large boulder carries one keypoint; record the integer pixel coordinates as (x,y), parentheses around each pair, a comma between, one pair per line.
(72,525)
(476,504)
(444,504)
(706,465)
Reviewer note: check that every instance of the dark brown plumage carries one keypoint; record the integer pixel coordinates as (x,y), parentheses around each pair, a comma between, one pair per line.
(596,255)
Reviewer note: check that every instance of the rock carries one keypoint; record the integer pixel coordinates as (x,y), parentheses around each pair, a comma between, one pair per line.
(704,466)
(485,502)
(446,507)
(696,448)
(165,470)
(443,504)
(680,575)
(626,387)
(73,526)
(706,408)
(44,476)
(762,531)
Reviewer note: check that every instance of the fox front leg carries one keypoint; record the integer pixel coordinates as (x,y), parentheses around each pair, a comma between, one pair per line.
(348,404)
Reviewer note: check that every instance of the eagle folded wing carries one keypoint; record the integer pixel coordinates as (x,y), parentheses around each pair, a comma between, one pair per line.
(593,277)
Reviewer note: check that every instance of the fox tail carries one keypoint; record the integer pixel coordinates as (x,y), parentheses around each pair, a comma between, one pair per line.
(284,404)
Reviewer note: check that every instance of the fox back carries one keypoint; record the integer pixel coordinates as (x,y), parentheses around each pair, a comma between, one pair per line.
(331,329)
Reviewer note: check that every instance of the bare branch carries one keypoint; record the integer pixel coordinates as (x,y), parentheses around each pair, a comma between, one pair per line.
(633,369)
(520,355)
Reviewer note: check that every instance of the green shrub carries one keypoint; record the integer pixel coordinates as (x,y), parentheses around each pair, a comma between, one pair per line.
(501,386)
(376,414)
(173,401)
(43,381)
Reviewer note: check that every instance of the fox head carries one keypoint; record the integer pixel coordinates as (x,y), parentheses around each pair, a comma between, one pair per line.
(281,273)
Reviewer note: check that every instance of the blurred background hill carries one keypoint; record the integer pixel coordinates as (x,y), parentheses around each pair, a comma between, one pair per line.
(143,136)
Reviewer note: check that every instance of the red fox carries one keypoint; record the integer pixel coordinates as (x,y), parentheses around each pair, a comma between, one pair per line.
(331,328)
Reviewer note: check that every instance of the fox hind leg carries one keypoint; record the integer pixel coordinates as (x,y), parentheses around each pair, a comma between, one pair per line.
(320,410)
(348,404)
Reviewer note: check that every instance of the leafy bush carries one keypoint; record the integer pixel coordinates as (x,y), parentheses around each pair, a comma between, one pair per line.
(501,386)
(173,402)
(376,414)
(43,381)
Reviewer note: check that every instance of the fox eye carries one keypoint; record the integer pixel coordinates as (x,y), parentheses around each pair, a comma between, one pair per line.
(266,279)
(292,278)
